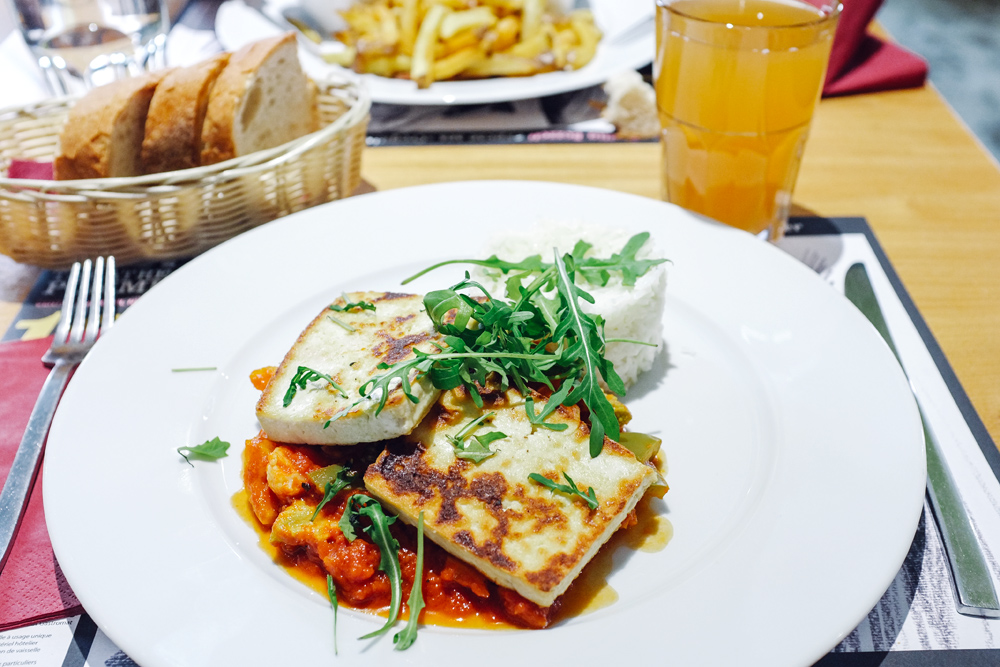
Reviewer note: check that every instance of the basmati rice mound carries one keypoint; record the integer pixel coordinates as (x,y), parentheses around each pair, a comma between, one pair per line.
(633,312)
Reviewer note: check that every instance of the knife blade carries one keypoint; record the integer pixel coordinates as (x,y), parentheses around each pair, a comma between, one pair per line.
(974,589)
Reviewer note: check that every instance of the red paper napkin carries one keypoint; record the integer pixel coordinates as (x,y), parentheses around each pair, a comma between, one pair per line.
(863,63)
(30,169)
(32,587)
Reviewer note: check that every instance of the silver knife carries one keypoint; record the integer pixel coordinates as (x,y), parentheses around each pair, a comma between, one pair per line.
(973,581)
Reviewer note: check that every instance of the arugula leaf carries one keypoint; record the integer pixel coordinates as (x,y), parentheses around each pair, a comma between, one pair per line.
(379,533)
(539,420)
(478,447)
(437,366)
(440,302)
(533,263)
(541,337)
(571,489)
(588,348)
(352,305)
(340,323)
(403,640)
(210,450)
(331,592)
(303,376)
(594,270)
(345,477)
(361,505)
(349,519)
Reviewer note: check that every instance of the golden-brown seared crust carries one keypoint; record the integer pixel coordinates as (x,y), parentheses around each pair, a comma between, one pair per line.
(516,532)
(176,115)
(218,142)
(85,141)
(349,346)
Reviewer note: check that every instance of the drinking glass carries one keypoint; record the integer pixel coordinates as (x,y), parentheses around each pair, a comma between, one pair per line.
(83,43)
(736,85)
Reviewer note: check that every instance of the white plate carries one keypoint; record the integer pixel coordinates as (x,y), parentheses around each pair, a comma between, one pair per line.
(794,445)
(237,25)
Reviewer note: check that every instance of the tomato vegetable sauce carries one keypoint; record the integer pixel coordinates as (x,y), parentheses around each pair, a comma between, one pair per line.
(453,592)
(280,500)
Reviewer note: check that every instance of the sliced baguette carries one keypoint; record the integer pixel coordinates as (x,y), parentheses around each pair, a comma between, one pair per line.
(103,134)
(176,115)
(262,99)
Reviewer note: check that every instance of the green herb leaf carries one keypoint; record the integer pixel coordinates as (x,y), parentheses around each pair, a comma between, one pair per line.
(571,489)
(533,263)
(210,450)
(379,533)
(554,401)
(541,337)
(588,348)
(331,592)
(440,302)
(352,305)
(476,448)
(340,323)
(594,270)
(303,376)
(440,367)
(348,523)
(629,340)
(344,478)
(403,640)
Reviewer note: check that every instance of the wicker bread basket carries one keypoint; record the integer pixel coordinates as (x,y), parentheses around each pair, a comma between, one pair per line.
(177,214)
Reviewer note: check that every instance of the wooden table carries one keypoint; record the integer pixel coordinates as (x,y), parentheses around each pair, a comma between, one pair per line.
(902,160)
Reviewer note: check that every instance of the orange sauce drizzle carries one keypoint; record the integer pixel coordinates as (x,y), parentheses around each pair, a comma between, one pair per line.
(590,592)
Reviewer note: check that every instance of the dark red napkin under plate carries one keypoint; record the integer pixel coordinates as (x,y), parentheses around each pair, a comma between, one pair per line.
(30,169)
(32,587)
(863,63)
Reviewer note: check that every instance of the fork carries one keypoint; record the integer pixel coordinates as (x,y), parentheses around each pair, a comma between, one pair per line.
(78,329)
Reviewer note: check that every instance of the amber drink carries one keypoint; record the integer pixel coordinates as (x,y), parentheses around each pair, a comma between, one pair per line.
(736,85)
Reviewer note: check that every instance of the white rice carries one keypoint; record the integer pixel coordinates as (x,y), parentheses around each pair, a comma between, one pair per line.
(633,312)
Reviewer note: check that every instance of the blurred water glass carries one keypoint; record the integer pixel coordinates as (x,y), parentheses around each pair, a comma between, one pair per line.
(80,44)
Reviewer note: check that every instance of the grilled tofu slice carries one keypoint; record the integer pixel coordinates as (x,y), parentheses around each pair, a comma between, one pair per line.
(350,358)
(518,533)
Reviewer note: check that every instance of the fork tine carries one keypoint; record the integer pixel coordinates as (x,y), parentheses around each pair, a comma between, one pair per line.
(65,314)
(76,329)
(109,295)
(94,314)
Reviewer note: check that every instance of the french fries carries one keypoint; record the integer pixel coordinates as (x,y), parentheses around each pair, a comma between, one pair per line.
(437,40)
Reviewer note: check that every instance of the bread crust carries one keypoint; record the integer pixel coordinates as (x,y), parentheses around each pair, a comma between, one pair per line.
(176,114)
(85,141)
(218,143)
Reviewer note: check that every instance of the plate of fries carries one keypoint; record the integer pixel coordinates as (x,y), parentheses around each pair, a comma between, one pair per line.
(446,52)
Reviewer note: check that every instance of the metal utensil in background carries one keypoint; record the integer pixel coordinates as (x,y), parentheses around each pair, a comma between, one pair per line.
(973,582)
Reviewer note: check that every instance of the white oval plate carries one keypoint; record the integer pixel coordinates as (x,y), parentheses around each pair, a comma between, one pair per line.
(794,446)
(236,24)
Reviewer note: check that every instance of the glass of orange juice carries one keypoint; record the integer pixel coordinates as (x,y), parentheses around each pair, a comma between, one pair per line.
(736,85)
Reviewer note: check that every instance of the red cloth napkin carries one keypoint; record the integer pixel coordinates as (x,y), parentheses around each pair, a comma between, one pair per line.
(32,587)
(30,169)
(863,63)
